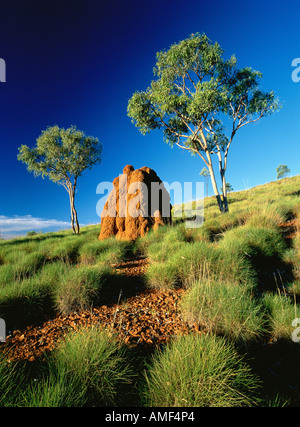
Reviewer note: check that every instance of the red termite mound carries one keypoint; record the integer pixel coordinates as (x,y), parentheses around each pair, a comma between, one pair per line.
(138,202)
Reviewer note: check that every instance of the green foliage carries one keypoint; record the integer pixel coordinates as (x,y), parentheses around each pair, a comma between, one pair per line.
(229,187)
(282,171)
(281,312)
(204,172)
(11,376)
(254,241)
(89,367)
(23,267)
(61,154)
(79,288)
(196,90)
(224,308)
(33,233)
(199,371)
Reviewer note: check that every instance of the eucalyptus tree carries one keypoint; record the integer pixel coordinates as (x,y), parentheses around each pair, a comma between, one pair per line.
(62,155)
(196,96)
(206,176)
(282,171)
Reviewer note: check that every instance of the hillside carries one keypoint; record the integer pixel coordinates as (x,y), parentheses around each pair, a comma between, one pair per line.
(215,305)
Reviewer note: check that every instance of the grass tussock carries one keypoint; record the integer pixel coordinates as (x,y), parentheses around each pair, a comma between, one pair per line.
(282,311)
(242,279)
(89,368)
(195,261)
(199,371)
(80,288)
(224,309)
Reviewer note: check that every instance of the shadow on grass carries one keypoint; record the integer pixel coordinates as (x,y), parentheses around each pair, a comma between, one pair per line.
(277,365)
(272,272)
(127,394)
(30,239)
(23,311)
(117,287)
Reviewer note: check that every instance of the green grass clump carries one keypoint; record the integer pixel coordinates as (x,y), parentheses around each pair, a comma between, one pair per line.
(57,275)
(254,241)
(67,249)
(32,299)
(262,249)
(182,263)
(57,389)
(161,247)
(188,262)
(6,275)
(214,227)
(199,371)
(296,262)
(90,367)
(152,237)
(23,267)
(89,252)
(267,215)
(106,252)
(79,288)
(234,267)
(11,377)
(224,309)
(281,312)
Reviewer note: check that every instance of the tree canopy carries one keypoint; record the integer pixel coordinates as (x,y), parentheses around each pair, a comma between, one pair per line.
(62,155)
(282,171)
(194,94)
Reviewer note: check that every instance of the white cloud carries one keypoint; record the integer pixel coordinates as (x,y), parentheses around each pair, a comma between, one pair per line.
(21,224)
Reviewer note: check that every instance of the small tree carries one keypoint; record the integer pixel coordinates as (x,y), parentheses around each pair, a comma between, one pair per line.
(205,173)
(62,155)
(229,188)
(282,171)
(33,233)
(194,95)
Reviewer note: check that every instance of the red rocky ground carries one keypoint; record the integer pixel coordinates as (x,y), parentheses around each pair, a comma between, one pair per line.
(148,319)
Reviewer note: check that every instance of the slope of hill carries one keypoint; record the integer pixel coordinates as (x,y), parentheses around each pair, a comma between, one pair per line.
(228,290)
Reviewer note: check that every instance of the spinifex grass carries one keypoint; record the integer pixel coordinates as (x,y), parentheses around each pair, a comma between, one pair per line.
(90,367)
(105,252)
(223,308)
(32,299)
(281,311)
(80,287)
(67,249)
(253,241)
(190,261)
(24,266)
(199,371)
(11,379)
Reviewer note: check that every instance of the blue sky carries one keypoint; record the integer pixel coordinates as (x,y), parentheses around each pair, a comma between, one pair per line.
(78,63)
